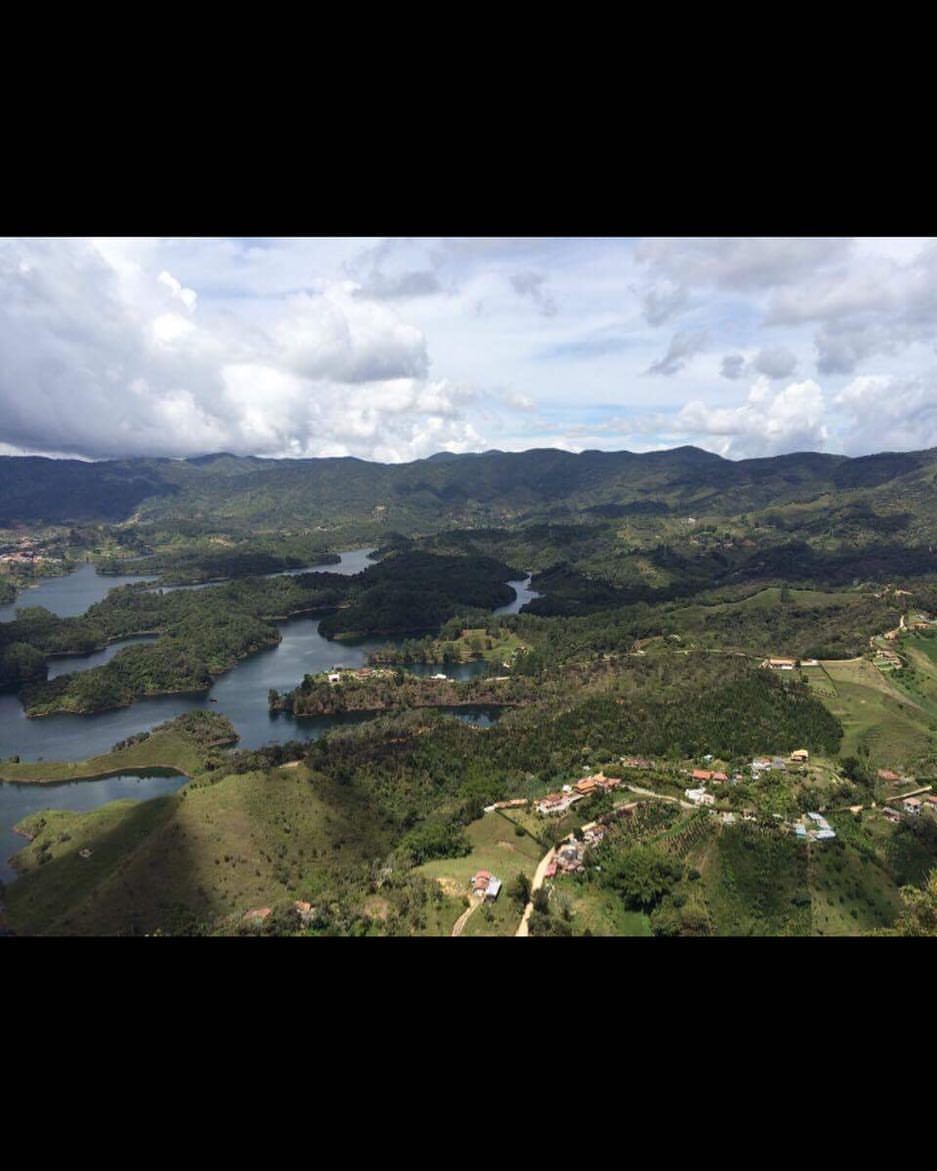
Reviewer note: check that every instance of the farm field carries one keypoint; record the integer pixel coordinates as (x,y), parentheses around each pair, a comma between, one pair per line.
(876,714)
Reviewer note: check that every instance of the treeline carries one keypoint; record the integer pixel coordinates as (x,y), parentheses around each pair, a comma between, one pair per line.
(315,696)
(206,562)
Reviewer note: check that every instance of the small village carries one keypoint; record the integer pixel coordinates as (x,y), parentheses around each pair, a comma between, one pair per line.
(569,857)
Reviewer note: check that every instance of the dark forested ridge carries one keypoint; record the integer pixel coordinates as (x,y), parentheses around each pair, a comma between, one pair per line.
(432,492)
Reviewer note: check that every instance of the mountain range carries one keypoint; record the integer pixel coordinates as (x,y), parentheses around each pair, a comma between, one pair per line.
(493,487)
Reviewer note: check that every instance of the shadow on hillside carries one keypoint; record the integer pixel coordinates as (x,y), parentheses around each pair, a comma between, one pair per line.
(120,890)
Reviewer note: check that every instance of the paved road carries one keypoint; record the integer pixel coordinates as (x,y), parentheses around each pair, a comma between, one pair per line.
(539,875)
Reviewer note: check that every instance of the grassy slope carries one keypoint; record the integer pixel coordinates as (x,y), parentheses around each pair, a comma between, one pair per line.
(875,713)
(207,852)
(160,750)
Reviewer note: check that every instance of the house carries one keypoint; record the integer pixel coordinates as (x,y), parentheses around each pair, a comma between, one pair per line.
(588,785)
(636,762)
(890,814)
(761,764)
(930,803)
(719,777)
(485,885)
(780,664)
(257,916)
(911,805)
(700,797)
(569,857)
(555,803)
(334,677)
(887,774)
(800,756)
(701,774)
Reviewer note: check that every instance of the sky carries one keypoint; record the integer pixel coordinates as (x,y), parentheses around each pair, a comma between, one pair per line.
(393,349)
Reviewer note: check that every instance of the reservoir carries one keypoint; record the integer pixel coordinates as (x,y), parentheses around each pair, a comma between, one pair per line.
(240,694)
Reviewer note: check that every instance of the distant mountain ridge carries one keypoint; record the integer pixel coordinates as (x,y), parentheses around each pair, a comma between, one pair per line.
(451,488)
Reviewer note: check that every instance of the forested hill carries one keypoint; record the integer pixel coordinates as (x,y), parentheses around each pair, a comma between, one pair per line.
(493,487)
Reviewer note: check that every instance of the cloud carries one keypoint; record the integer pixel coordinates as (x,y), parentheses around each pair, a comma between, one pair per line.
(733,366)
(107,357)
(335,337)
(531,284)
(886,413)
(683,345)
(776,363)
(744,264)
(663,302)
(766,423)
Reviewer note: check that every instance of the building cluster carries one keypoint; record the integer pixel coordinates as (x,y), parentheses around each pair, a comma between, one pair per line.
(706,775)
(340,674)
(783,664)
(568,859)
(913,806)
(798,759)
(555,803)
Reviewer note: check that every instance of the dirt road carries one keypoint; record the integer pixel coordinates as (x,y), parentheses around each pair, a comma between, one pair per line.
(464,917)
(539,875)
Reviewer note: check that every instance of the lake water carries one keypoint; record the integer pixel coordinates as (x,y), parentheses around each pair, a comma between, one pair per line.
(522,595)
(240,694)
(68,596)
(19,801)
(68,664)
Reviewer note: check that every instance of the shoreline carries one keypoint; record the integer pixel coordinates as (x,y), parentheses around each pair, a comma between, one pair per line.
(143,770)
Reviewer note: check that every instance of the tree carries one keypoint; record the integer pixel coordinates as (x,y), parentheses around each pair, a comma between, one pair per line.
(519,889)
(919,913)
